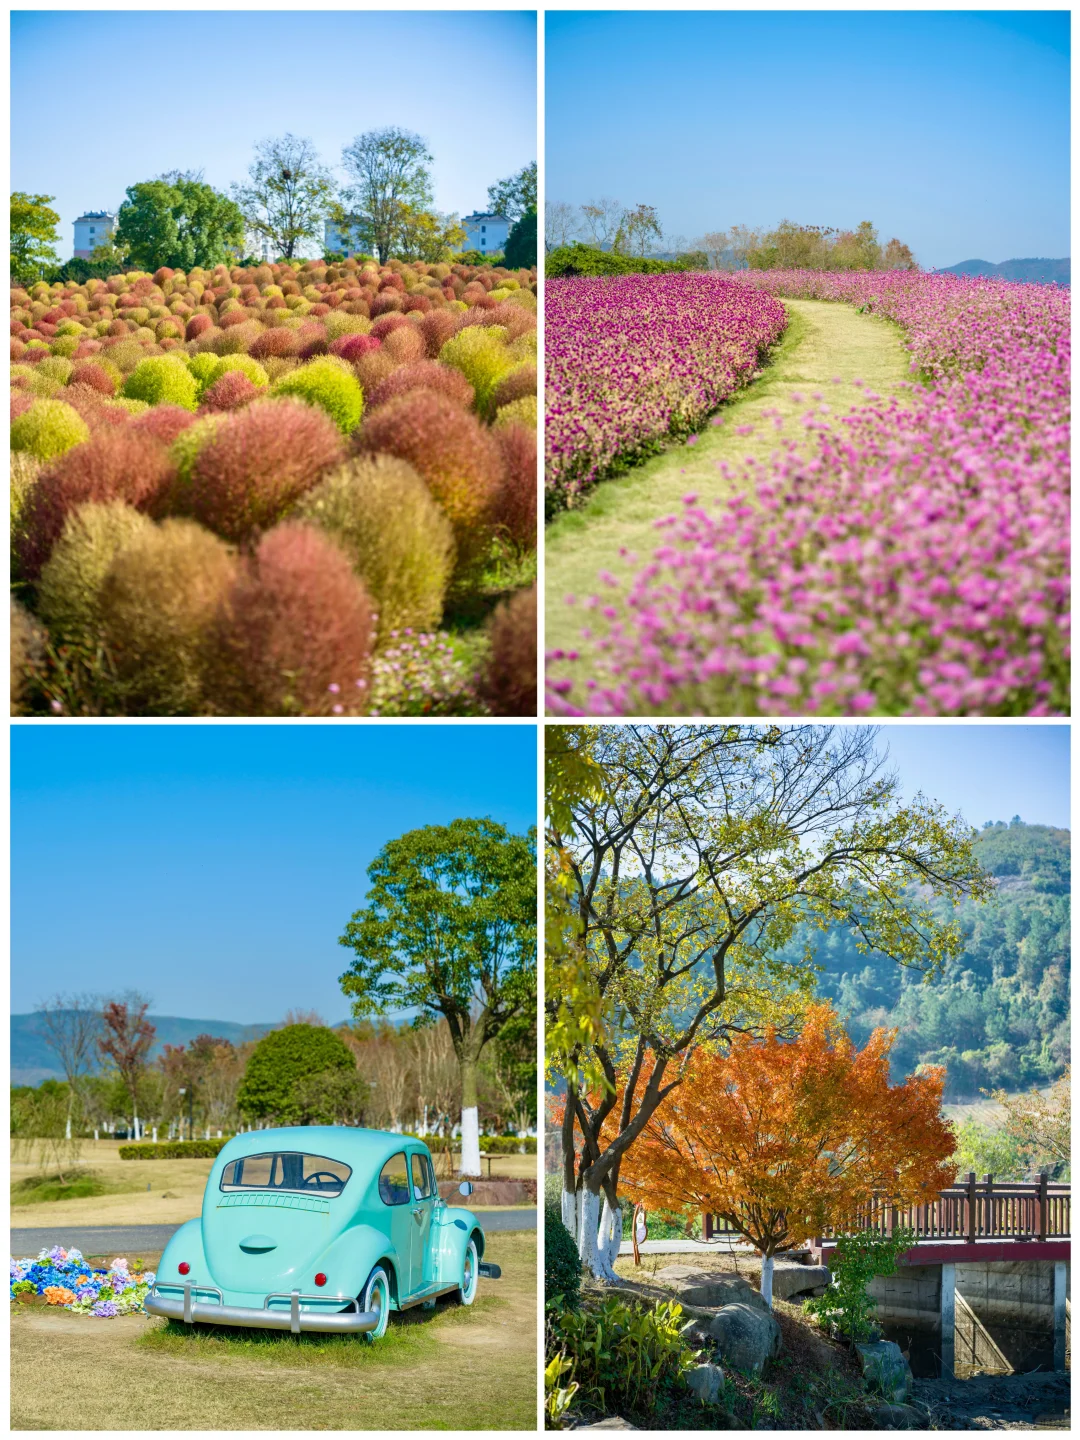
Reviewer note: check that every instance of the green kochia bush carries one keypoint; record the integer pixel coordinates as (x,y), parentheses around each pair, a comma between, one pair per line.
(330,384)
(382,514)
(162,378)
(48,429)
(69,591)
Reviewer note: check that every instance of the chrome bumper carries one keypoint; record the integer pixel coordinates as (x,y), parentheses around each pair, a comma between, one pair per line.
(191,1310)
(489,1271)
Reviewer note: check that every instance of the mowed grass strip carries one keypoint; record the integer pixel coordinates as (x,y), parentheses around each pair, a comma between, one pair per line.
(824,342)
(454,1368)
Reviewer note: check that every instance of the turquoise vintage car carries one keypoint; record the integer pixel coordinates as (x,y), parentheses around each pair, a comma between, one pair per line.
(319,1227)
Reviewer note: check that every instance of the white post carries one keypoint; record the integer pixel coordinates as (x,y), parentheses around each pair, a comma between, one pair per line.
(1060,1305)
(470,1141)
(948,1321)
(153,1134)
(95,1134)
(766,1279)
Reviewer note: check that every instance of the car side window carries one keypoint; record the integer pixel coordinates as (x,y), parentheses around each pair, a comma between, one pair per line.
(431,1176)
(420,1178)
(394,1181)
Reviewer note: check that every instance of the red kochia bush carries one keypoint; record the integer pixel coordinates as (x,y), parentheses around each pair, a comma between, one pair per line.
(112,465)
(423,375)
(276,341)
(295,634)
(260,461)
(196,325)
(509,687)
(87,373)
(232,392)
(351,347)
(515,386)
(515,506)
(21,400)
(437,328)
(163,422)
(388,324)
(454,453)
(94,408)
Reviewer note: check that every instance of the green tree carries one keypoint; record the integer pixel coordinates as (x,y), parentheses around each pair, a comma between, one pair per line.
(426,235)
(332,1097)
(710,846)
(287,196)
(638,231)
(126,1039)
(389,168)
(521,242)
(280,1064)
(449,929)
(515,196)
(33,236)
(178,221)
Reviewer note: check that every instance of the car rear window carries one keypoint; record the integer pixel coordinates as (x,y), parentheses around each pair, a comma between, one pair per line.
(286,1170)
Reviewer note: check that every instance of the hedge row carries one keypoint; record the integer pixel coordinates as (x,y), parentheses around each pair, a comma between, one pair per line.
(174,1150)
(585,260)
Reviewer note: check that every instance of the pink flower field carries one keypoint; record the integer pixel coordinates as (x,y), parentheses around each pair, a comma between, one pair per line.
(636,358)
(910,559)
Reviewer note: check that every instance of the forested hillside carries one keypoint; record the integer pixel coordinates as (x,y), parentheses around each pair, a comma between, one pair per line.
(1000,1017)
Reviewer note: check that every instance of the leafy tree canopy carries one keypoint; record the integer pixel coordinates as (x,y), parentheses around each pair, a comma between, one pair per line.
(34,235)
(389,168)
(178,221)
(287,195)
(279,1065)
(514,196)
(521,242)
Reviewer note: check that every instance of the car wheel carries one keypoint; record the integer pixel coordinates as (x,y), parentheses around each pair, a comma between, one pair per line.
(470,1274)
(376,1296)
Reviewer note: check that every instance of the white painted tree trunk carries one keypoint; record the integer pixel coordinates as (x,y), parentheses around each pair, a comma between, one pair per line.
(470,1141)
(588,1233)
(766,1279)
(570,1212)
(610,1239)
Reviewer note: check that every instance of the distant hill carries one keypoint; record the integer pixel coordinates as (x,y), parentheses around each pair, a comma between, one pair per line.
(32,1061)
(1040,271)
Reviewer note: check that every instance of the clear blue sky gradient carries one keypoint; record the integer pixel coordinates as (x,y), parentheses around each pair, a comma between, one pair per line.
(947,129)
(147,92)
(213,867)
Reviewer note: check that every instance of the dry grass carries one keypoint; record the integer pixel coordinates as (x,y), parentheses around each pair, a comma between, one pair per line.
(824,340)
(176,1188)
(447,1369)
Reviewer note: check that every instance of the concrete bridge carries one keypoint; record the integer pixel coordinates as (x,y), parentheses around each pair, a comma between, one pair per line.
(986,1285)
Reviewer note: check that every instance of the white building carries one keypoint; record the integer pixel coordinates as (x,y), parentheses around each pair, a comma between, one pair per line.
(92,230)
(486,232)
(343,240)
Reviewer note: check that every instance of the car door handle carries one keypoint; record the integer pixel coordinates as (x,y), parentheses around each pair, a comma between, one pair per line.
(418,1214)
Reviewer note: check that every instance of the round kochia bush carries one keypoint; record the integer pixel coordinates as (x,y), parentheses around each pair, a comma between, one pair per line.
(329,384)
(258,463)
(294,635)
(454,453)
(162,379)
(510,684)
(69,592)
(382,514)
(48,428)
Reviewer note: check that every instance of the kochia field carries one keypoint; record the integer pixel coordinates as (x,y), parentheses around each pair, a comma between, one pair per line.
(304,489)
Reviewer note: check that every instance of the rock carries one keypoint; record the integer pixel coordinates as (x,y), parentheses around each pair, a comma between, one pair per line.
(897,1417)
(711,1288)
(744,1336)
(613,1422)
(789,1280)
(707,1383)
(886,1370)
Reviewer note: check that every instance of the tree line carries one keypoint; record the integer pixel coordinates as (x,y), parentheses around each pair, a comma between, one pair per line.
(385,205)
(606,224)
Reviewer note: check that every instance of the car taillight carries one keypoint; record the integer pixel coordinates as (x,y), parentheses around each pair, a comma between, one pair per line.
(320,1279)
(183,1267)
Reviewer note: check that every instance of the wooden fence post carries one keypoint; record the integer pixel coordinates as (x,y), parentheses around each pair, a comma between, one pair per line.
(988,1182)
(1044,1180)
(973,1228)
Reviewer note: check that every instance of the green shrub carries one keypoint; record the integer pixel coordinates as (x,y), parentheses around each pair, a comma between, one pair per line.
(69,591)
(585,260)
(281,1061)
(174,1150)
(47,429)
(508,1144)
(562,1264)
(382,514)
(623,1356)
(163,379)
(524,411)
(857,1259)
(521,242)
(329,384)
(203,368)
(245,365)
(56,367)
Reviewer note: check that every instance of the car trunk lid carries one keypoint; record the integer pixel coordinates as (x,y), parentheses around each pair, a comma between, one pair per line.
(261,1242)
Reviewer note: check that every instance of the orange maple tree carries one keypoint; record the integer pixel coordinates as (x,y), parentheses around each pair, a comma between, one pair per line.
(785,1139)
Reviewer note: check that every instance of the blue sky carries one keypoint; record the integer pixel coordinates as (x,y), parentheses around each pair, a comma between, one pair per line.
(947,129)
(985,772)
(145,92)
(213,867)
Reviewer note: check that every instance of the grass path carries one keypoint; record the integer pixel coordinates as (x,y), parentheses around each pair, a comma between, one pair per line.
(824,341)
